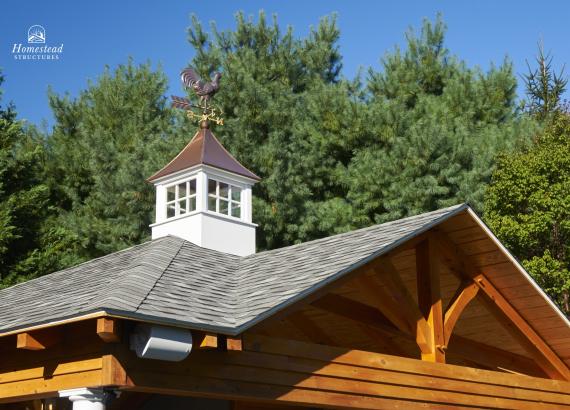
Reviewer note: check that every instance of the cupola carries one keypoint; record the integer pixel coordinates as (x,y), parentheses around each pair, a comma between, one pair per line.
(204,195)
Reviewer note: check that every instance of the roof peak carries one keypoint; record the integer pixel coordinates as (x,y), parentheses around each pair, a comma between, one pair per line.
(204,149)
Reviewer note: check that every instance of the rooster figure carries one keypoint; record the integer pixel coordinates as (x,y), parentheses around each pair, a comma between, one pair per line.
(205,90)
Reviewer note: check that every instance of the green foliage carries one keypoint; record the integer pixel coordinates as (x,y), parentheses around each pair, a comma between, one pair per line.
(23,198)
(544,88)
(528,207)
(288,117)
(334,154)
(104,144)
(437,127)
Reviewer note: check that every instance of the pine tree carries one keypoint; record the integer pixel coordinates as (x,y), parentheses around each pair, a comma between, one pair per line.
(334,154)
(23,198)
(105,143)
(437,127)
(288,117)
(544,88)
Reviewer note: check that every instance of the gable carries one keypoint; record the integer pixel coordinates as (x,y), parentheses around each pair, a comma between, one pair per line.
(509,324)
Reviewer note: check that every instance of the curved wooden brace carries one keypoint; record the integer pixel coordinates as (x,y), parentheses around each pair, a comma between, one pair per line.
(505,313)
(465,293)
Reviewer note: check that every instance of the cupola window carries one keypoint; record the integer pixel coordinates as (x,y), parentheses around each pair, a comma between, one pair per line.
(224,198)
(181,198)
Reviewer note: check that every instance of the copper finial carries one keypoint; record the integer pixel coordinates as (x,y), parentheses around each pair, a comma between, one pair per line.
(204,124)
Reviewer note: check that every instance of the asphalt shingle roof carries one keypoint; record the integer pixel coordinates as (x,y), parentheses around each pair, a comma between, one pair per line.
(172,281)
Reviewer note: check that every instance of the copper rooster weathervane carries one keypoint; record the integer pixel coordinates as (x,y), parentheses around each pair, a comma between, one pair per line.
(205,90)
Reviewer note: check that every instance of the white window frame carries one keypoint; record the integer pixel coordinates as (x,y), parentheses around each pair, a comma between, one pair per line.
(229,199)
(187,198)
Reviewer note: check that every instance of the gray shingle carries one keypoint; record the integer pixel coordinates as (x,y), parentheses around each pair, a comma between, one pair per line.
(170,280)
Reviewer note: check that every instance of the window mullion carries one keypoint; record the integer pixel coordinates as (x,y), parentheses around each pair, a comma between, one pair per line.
(217,196)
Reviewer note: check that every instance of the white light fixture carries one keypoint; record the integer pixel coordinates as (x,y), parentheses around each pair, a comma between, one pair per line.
(161,342)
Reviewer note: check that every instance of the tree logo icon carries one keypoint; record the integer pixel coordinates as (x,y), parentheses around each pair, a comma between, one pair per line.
(36,34)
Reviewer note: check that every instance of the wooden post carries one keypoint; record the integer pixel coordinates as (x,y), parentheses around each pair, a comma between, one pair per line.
(429,297)
(402,300)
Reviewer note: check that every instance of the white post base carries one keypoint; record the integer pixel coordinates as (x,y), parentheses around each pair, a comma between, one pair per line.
(86,399)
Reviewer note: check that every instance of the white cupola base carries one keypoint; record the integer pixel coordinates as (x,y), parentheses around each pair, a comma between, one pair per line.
(204,195)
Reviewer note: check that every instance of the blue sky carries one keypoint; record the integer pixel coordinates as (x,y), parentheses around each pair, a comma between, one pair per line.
(103,32)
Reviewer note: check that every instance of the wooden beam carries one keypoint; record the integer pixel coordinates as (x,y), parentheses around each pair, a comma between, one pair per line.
(504,312)
(476,352)
(401,298)
(407,366)
(378,296)
(234,343)
(63,373)
(429,297)
(522,331)
(310,329)
(287,377)
(464,294)
(39,339)
(491,357)
(353,310)
(108,329)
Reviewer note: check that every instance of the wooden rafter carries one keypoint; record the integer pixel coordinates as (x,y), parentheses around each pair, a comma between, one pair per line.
(492,357)
(351,309)
(234,343)
(368,319)
(309,328)
(464,294)
(108,329)
(383,339)
(522,331)
(381,300)
(400,299)
(39,339)
(429,298)
(504,312)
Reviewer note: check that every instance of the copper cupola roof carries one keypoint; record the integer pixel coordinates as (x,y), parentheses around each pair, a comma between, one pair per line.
(205,149)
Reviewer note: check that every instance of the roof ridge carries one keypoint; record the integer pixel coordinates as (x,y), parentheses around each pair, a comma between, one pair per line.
(182,242)
(464,205)
(137,268)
